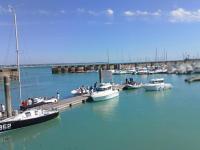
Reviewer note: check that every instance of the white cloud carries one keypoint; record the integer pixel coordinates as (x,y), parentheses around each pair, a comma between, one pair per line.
(109,12)
(182,15)
(80,10)
(92,13)
(129,13)
(62,11)
(3,10)
(157,13)
(43,12)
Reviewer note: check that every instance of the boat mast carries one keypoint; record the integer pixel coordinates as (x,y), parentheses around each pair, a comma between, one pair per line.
(17,50)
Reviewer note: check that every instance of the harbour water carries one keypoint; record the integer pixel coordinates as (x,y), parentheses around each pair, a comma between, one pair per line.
(136,120)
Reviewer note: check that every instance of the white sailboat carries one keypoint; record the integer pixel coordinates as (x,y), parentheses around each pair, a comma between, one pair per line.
(29,117)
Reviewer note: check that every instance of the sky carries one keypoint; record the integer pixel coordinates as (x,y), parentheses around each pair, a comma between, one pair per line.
(75,31)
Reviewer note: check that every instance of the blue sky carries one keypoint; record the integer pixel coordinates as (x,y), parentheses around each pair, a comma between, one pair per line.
(53,31)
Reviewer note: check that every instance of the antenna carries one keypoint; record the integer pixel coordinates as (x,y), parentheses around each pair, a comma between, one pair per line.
(108,56)
(12,10)
(156,57)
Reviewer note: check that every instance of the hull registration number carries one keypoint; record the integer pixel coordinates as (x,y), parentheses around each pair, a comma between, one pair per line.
(5,126)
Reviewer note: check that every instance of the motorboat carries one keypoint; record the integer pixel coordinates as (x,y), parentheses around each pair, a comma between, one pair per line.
(131,71)
(27,118)
(38,101)
(105,91)
(142,71)
(119,72)
(157,85)
(80,91)
(133,85)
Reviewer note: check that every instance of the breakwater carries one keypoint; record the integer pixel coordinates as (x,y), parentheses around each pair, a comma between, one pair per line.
(11,72)
(173,66)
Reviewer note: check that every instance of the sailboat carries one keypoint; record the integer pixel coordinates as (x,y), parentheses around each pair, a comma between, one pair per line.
(28,117)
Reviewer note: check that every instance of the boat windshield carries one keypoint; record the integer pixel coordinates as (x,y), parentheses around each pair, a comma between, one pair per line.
(156,81)
(104,88)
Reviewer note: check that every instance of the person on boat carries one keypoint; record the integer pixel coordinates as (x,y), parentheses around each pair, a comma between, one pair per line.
(2,109)
(82,88)
(91,90)
(58,95)
(95,86)
(29,102)
(126,81)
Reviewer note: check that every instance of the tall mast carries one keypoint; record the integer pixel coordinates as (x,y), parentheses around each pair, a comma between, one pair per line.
(17,50)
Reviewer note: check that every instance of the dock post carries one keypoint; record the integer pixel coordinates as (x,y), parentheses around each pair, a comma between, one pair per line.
(7,96)
(100,75)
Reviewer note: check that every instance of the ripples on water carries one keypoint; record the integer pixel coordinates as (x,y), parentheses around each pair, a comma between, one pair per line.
(136,120)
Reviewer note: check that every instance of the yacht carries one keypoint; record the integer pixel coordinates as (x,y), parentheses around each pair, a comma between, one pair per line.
(134,85)
(142,71)
(27,118)
(131,71)
(157,85)
(105,91)
(119,72)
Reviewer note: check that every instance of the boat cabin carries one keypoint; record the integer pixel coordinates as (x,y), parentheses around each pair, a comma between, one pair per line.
(104,87)
(154,81)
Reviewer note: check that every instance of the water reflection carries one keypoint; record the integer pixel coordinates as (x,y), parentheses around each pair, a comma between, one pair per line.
(26,134)
(158,95)
(106,108)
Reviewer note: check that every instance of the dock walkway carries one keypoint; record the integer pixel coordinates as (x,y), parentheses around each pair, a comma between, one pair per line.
(65,103)
(69,102)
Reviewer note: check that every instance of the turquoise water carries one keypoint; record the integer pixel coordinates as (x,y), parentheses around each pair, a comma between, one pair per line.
(136,120)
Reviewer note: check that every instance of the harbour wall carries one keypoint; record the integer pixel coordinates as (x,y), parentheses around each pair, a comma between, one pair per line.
(118,66)
(10,72)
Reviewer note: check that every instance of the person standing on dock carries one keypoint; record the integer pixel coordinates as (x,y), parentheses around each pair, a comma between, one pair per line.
(126,81)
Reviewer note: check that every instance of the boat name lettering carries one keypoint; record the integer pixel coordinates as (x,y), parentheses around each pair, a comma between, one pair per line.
(5,126)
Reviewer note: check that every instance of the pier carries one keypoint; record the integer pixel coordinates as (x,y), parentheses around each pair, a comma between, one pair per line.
(10,72)
(81,68)
(66,103)
(61,105)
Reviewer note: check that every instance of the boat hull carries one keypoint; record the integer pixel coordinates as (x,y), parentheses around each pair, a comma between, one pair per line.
(157,87)
(11,125)
(130,87)
(105,97)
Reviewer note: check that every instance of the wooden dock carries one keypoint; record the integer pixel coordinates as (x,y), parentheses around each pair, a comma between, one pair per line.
(63,104)
(66,103)
(69,102)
